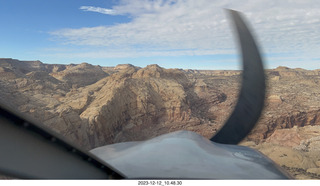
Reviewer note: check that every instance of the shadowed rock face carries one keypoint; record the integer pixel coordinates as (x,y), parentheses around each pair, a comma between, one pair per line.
(94,106)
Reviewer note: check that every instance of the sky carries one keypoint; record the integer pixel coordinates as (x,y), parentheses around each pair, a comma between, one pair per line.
(188,34)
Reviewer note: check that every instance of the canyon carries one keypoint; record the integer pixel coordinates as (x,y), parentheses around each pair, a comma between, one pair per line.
(92,106)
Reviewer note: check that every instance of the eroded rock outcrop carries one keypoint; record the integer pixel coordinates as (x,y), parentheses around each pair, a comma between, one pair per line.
(128,104)
(94,106)
(80,75)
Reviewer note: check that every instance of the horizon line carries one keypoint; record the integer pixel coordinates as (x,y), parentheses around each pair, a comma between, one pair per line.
(280,66)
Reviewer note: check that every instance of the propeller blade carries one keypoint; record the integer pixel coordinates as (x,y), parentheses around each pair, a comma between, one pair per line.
(252,94)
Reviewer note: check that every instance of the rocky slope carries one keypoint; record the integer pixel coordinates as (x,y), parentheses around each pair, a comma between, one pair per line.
(94,106)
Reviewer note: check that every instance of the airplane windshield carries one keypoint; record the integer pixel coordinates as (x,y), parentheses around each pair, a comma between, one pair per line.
(130,72)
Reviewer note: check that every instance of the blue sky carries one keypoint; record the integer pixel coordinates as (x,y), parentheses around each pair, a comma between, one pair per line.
(194,34)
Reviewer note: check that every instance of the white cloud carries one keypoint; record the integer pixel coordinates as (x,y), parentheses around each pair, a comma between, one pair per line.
(98,9)
(189,27)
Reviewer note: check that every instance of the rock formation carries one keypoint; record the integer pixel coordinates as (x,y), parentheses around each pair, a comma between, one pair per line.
(94,106)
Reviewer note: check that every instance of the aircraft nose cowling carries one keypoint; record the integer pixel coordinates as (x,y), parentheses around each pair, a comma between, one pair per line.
(187,155)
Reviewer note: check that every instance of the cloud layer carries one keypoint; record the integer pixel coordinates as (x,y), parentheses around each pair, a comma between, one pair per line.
(201,27)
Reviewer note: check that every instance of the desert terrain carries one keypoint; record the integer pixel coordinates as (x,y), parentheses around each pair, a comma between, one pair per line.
(94,106)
